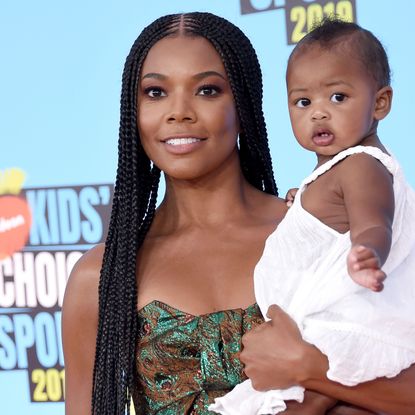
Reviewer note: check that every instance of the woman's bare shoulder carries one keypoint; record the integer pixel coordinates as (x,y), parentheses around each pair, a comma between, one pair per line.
(87,269)
(79,330)
(82,287)
(273,207)
(279,204)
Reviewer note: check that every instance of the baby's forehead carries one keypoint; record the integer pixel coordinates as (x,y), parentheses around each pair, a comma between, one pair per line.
(347,46)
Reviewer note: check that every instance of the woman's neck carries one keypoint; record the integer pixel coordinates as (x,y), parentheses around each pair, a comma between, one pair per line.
(207,201)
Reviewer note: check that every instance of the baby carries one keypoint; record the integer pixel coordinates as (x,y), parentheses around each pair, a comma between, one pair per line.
(353,220)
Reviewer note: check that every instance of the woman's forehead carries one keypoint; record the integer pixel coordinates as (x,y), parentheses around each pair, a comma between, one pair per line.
(182,52)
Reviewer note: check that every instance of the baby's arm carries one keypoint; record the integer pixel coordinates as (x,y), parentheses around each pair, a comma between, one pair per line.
(367,188)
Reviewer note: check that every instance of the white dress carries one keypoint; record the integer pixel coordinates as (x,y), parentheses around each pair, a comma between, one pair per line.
(364,334)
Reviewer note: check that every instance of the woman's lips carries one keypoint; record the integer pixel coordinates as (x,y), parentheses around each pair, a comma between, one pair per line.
(182,145)
(182,141)
(323,138)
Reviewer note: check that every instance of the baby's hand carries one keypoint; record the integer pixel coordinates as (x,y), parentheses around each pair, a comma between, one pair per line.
(290,196)
(363,266)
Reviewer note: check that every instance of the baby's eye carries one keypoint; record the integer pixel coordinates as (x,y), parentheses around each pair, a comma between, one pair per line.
(154,92)
(302,102)
(208,90)
(337,97)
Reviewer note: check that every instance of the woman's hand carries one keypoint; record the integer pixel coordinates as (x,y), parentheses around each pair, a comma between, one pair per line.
(275,355)
(313,404)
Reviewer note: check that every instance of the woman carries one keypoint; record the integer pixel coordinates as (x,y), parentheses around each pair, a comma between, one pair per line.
(175,283)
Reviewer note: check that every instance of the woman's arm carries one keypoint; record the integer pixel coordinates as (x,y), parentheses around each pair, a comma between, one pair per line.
(348,410)
(275,356)
(313,404)
(79,331)
(389,396)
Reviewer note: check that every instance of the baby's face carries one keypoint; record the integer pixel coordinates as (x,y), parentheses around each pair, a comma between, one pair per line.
(331,100)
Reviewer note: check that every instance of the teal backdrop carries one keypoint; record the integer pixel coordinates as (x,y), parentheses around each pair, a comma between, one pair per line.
(60,80)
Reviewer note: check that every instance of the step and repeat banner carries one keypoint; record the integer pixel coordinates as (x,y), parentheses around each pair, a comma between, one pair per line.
(60,83)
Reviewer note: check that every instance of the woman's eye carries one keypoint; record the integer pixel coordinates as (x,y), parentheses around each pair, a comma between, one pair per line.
(154,92)
(302,102)
(337,97)
(209,90)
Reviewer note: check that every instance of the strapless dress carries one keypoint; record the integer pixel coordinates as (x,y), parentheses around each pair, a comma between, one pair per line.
(185,361)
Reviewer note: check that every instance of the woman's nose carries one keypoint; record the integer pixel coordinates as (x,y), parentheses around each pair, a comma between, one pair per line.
(181,110)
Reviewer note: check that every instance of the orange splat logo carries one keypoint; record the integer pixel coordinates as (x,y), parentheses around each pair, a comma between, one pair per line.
(15,214)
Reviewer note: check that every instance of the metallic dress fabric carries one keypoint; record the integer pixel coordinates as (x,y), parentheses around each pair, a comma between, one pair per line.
(184,361)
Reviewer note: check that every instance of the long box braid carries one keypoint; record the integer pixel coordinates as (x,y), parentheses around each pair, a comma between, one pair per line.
(136,187)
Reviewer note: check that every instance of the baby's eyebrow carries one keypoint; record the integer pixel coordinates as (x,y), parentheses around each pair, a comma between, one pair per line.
(328,84)
(296,90)
(339,82)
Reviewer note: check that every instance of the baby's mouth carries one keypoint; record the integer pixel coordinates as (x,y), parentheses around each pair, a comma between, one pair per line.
(323,137)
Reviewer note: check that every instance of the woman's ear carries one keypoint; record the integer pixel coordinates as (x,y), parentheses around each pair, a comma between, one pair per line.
(383,103)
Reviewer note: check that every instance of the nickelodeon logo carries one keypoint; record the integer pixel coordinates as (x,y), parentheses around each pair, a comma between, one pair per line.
(15,214)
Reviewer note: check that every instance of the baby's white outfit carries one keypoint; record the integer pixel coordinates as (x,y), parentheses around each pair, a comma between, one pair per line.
(364,334)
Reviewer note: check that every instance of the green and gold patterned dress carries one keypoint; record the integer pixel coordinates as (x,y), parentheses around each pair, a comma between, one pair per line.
(184,361)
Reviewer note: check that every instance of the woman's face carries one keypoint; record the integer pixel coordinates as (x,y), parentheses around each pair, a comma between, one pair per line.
(186,112)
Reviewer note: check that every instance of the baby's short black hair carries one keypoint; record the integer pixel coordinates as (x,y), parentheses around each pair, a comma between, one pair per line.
(331,32)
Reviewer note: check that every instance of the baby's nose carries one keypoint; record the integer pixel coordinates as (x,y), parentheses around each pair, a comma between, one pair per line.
(319,115)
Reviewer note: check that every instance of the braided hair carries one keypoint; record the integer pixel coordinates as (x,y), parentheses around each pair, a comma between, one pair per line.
(136,186)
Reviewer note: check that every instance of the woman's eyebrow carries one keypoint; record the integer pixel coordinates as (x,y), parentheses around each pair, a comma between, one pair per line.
(154,75)
(205,74)
(198,76)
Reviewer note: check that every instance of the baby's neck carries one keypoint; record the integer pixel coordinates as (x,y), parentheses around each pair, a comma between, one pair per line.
(371,140)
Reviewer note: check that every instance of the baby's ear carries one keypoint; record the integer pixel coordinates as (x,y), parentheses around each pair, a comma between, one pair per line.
(383,103)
